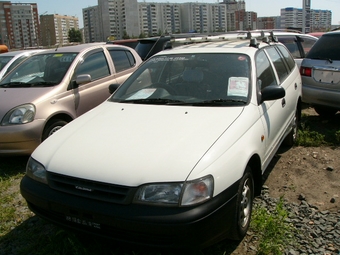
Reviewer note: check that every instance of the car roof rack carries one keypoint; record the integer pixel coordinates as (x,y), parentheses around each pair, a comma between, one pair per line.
(253,36)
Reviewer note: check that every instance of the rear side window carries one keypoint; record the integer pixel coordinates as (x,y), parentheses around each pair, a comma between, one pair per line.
(122,59)
(327,47)
(278,62)
(289,60)
(264,70)
(307,43)
(291,43)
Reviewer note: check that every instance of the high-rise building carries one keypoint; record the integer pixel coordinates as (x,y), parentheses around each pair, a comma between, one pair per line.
(92,25)
(320,20)
(203,17)
(55,28)
(235,14)
(119,18)
(19,25)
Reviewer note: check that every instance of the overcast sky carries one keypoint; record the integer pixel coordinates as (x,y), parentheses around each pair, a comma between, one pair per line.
(262,7)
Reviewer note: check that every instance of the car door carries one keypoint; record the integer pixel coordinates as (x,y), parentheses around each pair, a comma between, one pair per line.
(288,76)
(90,94)
(271,112)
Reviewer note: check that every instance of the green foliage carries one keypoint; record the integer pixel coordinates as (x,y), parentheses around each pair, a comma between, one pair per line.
(315,131)
(74,35)
(273,231)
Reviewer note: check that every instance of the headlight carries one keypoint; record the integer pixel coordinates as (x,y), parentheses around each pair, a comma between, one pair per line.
(36,171)
(19,115)
(189,193)
(167,193)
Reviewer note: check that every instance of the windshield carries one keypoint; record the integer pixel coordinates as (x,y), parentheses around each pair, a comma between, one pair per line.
(41,70)
(4,60)
(189,79)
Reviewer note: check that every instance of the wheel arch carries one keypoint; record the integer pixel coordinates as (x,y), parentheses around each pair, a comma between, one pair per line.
(59,116)
(255,166)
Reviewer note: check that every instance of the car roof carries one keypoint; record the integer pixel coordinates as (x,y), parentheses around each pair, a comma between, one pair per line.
(231,43)
(17,52)
(82,47)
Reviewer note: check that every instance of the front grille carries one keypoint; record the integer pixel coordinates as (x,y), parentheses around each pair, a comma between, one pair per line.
(91,189)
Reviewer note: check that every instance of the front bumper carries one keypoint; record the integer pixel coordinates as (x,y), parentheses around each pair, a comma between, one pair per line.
(20,139)
(156,226)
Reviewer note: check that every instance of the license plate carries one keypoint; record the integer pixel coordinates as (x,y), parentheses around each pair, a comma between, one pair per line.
(327,76)
(83,222)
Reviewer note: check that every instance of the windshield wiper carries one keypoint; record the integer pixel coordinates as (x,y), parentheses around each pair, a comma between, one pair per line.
(15,84)
(152,101)
(27,84)
(221,101)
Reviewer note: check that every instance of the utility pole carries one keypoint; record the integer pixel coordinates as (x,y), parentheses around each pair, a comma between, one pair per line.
(306,16)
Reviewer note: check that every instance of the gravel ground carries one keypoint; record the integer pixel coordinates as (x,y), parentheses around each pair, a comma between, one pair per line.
(317,232)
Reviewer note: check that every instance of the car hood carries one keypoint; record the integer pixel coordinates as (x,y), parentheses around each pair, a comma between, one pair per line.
(131,144)
(12,97)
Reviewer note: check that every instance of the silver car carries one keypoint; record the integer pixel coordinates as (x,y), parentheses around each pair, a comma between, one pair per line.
(11,59)
(320,72)
(51,88)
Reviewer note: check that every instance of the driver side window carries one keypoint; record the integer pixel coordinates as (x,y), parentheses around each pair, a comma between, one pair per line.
(264,70)
(94,65)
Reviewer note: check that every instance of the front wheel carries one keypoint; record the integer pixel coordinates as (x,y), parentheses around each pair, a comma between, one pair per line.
(244,206)
(53,127)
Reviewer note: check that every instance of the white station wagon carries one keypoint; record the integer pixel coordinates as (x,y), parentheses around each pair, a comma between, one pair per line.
(176,155)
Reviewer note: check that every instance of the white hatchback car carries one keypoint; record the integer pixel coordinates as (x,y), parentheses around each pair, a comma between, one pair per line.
(175,157)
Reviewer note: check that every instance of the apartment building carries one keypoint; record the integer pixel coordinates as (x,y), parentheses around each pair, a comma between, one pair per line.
(118,18)
(19,27)
(203,17)
(235,14)
(320,20)
(55,28)
(92,25)
(268,22)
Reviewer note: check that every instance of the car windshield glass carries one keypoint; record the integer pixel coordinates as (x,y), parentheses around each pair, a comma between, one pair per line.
(40,70)
(205,79)
(4,60)
(327,47)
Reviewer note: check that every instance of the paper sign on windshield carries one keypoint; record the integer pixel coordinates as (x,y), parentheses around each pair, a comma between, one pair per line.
(142,94)
(238,86)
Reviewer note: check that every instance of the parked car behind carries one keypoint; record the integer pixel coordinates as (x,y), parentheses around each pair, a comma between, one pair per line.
(11,59)
(297,43)
(127,42)
(320,72)
(53,87)
(176,155)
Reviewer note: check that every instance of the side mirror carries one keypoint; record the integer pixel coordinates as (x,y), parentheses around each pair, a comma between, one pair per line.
(113,88)
(272,92)
(81,79)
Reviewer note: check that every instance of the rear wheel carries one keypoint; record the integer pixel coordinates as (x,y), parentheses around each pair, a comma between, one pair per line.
(52,127)
(244,206)
(325,111)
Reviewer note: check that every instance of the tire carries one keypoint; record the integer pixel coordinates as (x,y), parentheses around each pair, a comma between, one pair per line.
(291,138)
(244,206)
(52,127)
(324,111)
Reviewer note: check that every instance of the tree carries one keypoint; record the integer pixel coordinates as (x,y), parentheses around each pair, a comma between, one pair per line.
(74,35)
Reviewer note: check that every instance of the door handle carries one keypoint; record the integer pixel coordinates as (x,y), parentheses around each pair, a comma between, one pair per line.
(283,102)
